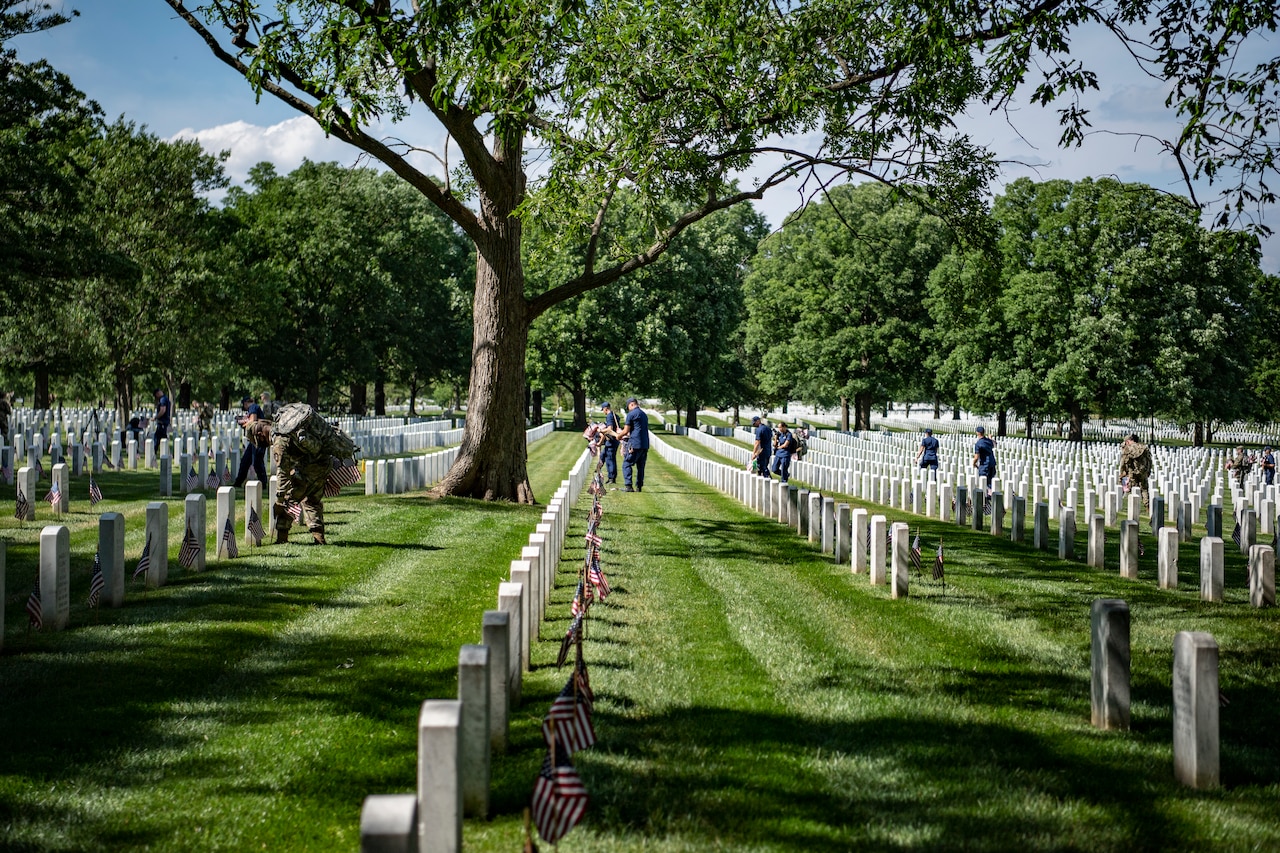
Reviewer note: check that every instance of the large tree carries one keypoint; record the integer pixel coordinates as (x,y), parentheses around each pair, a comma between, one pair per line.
(552,105)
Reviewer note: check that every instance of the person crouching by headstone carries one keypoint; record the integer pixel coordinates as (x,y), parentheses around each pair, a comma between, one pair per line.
(305,446)
(1239,465)
(783,451)
(984,456)
(927,455)
(1135,467)
(612,427)
(763,446)
(204,418)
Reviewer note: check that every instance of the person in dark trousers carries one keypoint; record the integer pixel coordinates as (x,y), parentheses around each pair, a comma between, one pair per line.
(635,448)
(763,447)
(927,456)
(162,418)
(782,452)
(255,445)
(612,427)
(984,456)
(1268,465)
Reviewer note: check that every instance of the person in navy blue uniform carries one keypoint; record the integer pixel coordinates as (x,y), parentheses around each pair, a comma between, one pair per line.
(984,456)
(612,426)
(162,418)
(927,456)
(635,432)
(763,447)
(1268,465)
(255,453)
(786,446)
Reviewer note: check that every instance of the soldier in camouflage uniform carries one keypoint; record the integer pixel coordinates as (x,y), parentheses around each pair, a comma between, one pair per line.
(302,478)
(1135,464)
(204,412)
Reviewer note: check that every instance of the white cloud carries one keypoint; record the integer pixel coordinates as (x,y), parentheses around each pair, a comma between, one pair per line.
(285,144)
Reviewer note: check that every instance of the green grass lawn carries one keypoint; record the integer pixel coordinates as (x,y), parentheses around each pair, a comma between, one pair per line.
(751,695)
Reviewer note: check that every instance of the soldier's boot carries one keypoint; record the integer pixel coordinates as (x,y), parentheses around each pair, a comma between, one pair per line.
(318,538)
(282,537)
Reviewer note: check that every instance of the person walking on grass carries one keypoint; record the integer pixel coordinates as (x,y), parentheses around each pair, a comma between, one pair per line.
(763,446)
(783,452)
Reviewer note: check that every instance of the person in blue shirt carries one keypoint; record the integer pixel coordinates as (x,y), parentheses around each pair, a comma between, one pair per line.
(635,434)
(255,447)
(786,446)
(928,453)
(1268,465)
(984,456)
(612,427)
(162,418)
(763,447)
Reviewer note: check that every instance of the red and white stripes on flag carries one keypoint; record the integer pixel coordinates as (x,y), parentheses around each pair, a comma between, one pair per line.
(144,562)
(97,583)
(294,509)
(22,509)
(95,494)
(255,527)
(211,482)
(54,495)
(193,480)
(190,549)
(559,798)
(571,716)
(229,540)
(35,610)
(595,575)
(345,473)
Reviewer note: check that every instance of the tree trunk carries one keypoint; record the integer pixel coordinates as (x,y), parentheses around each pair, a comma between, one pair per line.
(492,459)
(41,396)
(359,398)
(1076,430)
(380,397)
(224,398)
(123,383)
(413,398)
(278,390)
(862,411)
(908,411)
(184,395)
(677,420)
(735,414)
(844,414)
(1002,423)
(579,405)
(1030,425)
(1208,432)
(691,420)
(955,412)
(784,407)
(1198,440)
(937,407)
(536,420)
(313,395)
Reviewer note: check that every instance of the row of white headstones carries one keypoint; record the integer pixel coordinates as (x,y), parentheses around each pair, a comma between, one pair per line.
(867,543)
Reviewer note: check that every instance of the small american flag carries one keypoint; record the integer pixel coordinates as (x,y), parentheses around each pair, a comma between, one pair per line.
(229,541)
(226,474)
(35,611)
(868,537)
(332,488)
(23,509)
(581,599)
(593,539)
(211,482)
(915,552)
(1235,533)
(144,562)
(939,572)
(559,798)
(95,494)
(6,473)
(55,496)
(596,576)
(106,460)
(97,583)
(255,527)
(570,715)
(570,637)
(39,469)
(294,509)
(190,549)
(344,473)
(87,449)
(193,480)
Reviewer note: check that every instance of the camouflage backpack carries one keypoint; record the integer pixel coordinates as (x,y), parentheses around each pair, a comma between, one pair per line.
(311,434)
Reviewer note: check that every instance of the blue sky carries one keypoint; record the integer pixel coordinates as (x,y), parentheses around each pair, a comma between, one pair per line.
(137,59)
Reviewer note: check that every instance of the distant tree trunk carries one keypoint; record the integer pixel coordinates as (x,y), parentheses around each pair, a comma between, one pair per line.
(691,421)
(413,398)
(41,396)
(1076,430)
(677,415)
(528,403)
(862,411)
(313,395)
(844,414)
(955,412)
(224,398)
(1198,439)
(380,397)
(1208,432)
(784,407)
(937,407)
(359,398)
(123,383)
(888,407)
(536,420)
(735,414)
(184,395)
(579,405)
(1002,423)
(1029,426)
(908,410)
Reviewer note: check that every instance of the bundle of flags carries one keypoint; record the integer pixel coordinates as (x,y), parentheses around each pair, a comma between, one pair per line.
(95,494)
(342,473)
(97,583)
(190,549)
(229,540)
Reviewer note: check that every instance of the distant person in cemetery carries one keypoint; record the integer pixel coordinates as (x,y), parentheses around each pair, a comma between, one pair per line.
(784,448)
(927,455)
(256,441)
(635,445)
(133,431)
(268,406)
(763,447)
(204,417)
(162,418)
(984,456)
(1240,465)
(612,427)
(1135,467)
(1268,465)
(5,411)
